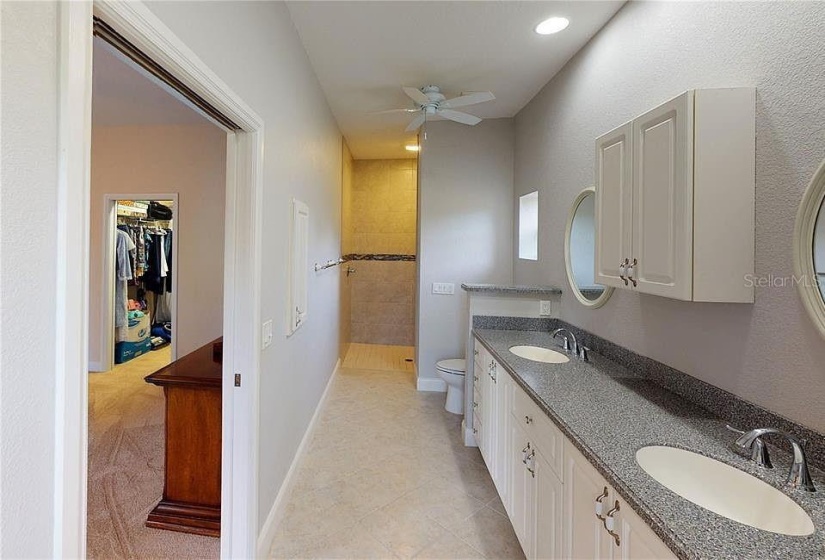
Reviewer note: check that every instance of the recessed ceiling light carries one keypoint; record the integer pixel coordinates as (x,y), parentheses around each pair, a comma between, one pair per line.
(552,25)
(412,148)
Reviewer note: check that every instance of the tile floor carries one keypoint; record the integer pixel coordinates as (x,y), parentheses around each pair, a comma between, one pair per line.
(380,357)
(387,476)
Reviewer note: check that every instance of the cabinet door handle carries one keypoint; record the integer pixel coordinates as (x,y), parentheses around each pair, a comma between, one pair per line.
(631,270)
(609,523)
(475,352)
(475,431)
(475,404)
(475,378)
(531,470)
(528,420)
(623,270)
(524,453)
(599,505)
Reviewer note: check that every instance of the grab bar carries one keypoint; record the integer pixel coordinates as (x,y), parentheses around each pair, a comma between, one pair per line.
(329,264)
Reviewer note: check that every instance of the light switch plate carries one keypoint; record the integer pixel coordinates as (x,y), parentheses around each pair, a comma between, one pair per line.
(443,288)
(545,308)
(266,333)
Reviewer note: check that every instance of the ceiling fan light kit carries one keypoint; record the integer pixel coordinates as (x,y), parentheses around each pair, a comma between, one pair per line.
(431,102)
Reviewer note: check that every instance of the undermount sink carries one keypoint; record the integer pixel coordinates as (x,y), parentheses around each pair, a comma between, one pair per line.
(725,490)
(539,354)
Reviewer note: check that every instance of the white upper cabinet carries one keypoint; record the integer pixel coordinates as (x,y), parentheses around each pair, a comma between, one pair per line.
(614,197)
(663,200)
(675,199)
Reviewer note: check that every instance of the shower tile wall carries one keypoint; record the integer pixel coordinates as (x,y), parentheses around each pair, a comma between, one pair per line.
(382,220)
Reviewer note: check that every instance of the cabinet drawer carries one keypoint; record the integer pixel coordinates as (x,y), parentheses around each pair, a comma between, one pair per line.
(546,437)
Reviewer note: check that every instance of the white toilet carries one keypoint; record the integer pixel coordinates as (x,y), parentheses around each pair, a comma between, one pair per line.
(452,371)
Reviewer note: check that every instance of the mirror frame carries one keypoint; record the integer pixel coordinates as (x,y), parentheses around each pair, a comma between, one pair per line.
(803,254)
(608,290)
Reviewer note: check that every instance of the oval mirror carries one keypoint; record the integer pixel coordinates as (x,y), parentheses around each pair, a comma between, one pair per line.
(809,249)
(580,251)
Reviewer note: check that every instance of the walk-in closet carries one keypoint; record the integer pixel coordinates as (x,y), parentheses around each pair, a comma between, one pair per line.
(144,256)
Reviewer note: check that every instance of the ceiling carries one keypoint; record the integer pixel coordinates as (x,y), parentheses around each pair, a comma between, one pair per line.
(363,52)
(123,94)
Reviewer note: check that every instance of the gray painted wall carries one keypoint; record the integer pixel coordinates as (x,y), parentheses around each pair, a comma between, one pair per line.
(769,352)
(254,48)
(465,227)
(303,160)
(28,199)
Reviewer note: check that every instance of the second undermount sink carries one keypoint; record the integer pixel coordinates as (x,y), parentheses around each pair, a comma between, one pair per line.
(539,354)
(725,490)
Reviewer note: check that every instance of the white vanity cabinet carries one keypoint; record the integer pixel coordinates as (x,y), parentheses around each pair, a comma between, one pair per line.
(675,199)
(549,489)
(490,398)
(535,477)
(585,534)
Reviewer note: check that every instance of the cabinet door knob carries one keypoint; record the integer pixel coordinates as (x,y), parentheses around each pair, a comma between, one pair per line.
(623,270)
(609,523)
(599,505)
(475,352)
(631,270)
(475,405)
(530,458)
(528,420)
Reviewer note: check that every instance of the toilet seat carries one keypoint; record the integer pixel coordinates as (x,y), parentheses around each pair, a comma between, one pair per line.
(455,366)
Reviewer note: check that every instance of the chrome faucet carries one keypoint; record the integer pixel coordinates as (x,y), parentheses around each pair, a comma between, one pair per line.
(798,477)
(574,346)
(567,336)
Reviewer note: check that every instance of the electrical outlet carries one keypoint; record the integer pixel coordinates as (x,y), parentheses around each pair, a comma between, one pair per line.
(443,288)
(266,334)
(546,308)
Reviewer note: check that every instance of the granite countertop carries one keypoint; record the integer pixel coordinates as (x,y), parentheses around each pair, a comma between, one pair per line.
(511,290)
(608,413)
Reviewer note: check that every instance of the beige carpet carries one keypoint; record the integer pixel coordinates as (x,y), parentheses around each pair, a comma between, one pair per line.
(126,441)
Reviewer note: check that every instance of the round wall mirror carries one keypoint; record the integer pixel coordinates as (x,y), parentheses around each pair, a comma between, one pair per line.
(809,249)
(580,251)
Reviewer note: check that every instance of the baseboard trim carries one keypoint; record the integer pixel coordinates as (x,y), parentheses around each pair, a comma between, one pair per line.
(431,384)
(95,367)
(276,514)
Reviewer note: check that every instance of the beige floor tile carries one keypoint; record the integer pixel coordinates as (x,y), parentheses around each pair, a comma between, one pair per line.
(351,544)
(449,547)
(496,505)
(387,475)
(491,533)
(403,532)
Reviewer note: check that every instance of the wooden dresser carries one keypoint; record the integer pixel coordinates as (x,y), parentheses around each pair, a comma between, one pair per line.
(191,500)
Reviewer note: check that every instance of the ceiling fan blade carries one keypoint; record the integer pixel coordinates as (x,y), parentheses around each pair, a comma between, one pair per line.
(416,122)
(458,116)
(387,111)
(416,95)
(469,99)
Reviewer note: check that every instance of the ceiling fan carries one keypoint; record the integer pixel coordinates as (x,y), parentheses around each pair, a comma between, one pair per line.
(429,101)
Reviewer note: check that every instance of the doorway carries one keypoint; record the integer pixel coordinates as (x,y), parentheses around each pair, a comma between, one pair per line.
(144,33)
(158,197)
(379,217)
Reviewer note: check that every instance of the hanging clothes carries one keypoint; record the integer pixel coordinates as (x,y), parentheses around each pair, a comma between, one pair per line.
(168,251)
(124,248)
(154,277)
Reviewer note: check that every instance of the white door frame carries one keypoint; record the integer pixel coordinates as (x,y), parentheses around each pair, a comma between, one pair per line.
(242,269)
(107,291)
